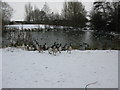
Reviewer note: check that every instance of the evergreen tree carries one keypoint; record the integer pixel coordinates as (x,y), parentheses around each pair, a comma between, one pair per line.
(105,15)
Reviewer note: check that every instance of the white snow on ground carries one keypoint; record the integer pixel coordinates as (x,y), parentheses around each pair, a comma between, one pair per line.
(30,69)
(28,26)
(0,69)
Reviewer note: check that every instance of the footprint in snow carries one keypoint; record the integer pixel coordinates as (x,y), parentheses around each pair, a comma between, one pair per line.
(102,67)
(46,67)
(84,65)
(36,81)
(33,63)
(58,81)
(61,75)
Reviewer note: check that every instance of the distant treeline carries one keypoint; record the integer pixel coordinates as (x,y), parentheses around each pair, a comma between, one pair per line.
(73,14)
(103,16)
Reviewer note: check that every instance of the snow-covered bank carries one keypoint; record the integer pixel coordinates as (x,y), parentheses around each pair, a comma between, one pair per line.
(31,26)
(0,69)
(30,69)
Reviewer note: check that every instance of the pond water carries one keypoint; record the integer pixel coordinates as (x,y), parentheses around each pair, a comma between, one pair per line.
(76,37)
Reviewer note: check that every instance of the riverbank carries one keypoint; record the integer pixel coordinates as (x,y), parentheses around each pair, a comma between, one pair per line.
(30,69)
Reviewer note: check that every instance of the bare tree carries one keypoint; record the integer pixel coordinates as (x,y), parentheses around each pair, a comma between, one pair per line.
(28,12)
(36,14)
(7,11)
(75,13)
(47,11)
(65,10)
(46,8)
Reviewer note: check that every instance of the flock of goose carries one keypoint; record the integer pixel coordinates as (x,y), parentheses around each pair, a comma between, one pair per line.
(54,49)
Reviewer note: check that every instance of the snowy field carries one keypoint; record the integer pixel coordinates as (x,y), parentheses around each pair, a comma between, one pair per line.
(30,69)
(0,69)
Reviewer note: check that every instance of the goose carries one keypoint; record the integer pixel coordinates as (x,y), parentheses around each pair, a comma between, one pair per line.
(30,48)
(57,45)
(82,46)
(23,46)
(60,48)
(37,48)
(49,50)
(41,48)
(27,47)
(36,42)
(45,47)
(65,47)
(86,45)
(69,48)
(33,48)
(54,50)
(53,45)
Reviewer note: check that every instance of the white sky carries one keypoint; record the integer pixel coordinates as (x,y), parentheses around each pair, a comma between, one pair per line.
(54,5)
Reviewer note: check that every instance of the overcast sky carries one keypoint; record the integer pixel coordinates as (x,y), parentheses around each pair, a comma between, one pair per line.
(54,5)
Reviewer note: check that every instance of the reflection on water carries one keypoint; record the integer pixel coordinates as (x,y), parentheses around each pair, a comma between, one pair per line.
(94,39)
(88,37)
